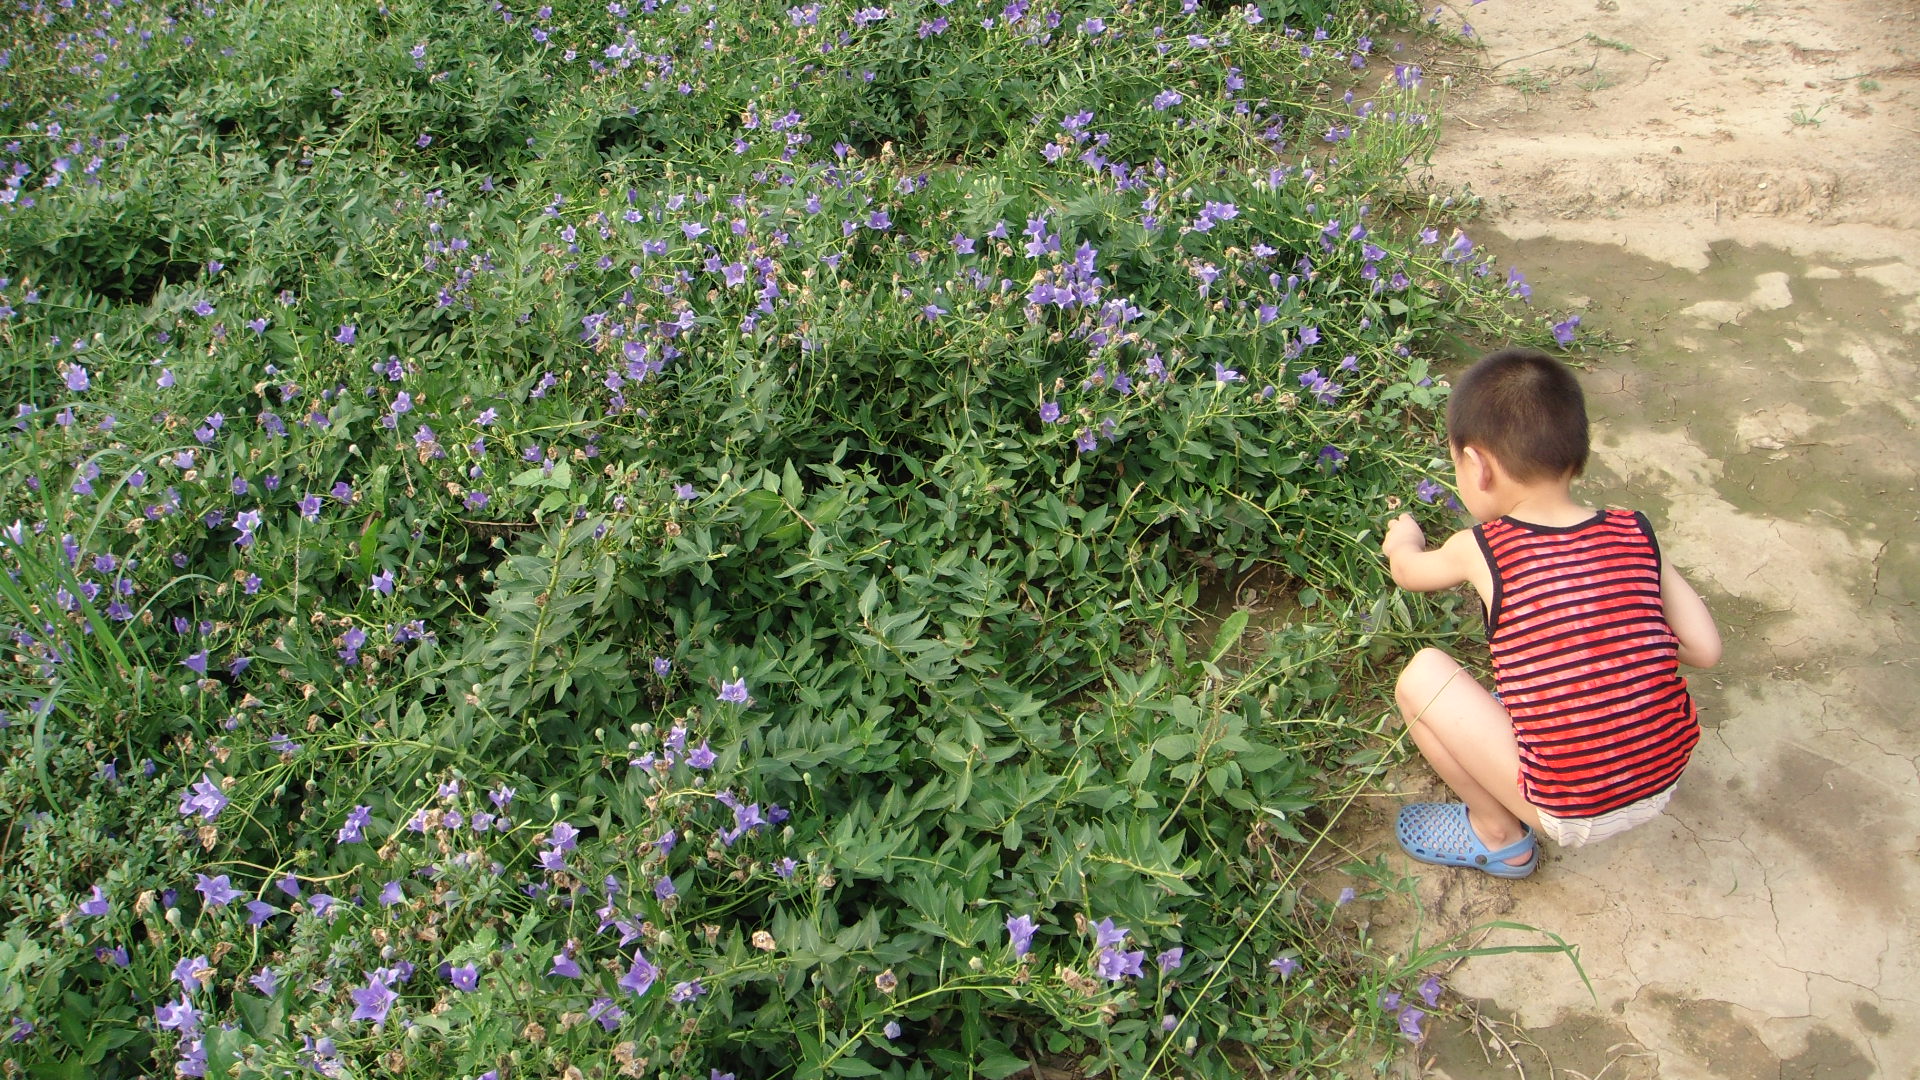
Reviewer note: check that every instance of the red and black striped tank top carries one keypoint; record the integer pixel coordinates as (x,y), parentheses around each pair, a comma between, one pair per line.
(1585,661)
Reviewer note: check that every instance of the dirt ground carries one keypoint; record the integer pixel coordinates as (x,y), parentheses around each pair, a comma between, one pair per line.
(1734,190)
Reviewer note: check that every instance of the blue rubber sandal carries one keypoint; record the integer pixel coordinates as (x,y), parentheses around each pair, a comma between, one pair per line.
(1438,833)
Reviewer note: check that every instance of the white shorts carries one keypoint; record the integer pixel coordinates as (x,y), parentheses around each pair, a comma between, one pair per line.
(1573,832)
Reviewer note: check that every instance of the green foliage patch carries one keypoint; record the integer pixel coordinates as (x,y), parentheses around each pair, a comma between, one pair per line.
(662,539)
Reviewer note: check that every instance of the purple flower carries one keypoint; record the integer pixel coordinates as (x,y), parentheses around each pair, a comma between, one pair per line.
(465,978)
(217,891)
(1427,491)
(640,977)
(1345,897)
(354,831)
(246,522)
(891,1030)
(1429,990)
(1020,930)
(685,992)
(390,894)
(259,911)
(77,379)
(1049,412)
(321,903)
(734,692)
(345,334)
(203,798)
(879,219)
(373,1002)
(565,966)
(1564,331)
(382,583)
(97,905)
(1410,1018)
(267,982)
(661,666)
(1106,935)
(197,663)
(664,888)
(1284,966)
(563,837)
(1331,456)
(178,1016)
(187,971)
(685,492)
(202,308)
(606,1012)
(1115,965)
(702,756)
(1170,959)
(1225,374)
(310,507)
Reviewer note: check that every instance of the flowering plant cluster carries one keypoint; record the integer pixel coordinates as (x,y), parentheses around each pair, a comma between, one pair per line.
(664,539)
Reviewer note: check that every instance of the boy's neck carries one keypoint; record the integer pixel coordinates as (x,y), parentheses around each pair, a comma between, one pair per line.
(1548,502)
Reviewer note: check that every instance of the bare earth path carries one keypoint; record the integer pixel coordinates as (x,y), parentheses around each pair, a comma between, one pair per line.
(1734,188)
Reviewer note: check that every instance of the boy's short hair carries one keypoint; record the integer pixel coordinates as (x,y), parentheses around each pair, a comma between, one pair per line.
(1524,408)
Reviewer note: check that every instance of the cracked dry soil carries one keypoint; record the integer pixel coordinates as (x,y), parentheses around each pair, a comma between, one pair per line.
(1731,188)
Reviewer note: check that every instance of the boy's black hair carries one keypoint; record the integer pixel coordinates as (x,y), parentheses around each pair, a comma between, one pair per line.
(1524,408)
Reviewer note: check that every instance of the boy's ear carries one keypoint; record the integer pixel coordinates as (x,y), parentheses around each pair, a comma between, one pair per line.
(1483,466)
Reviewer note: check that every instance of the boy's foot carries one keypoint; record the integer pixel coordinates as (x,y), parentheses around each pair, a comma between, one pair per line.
(1440,833)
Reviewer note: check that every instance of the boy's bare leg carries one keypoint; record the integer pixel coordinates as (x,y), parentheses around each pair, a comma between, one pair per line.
(1467,736)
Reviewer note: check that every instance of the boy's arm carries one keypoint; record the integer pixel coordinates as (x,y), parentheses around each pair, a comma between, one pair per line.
(1419,569)
(1689,619)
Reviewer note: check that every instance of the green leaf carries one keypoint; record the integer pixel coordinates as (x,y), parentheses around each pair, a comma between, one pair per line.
(561,477)
(1229,635)
(997,1062)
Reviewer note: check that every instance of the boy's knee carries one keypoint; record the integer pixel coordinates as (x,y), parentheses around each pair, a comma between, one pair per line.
(1423,677)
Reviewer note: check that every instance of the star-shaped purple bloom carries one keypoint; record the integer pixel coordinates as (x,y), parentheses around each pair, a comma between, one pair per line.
(217,891)
(1115,965)
(203,798)
(373,1002)
(640,977)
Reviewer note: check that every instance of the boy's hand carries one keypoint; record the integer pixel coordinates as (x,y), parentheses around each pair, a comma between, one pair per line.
(1403,534)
